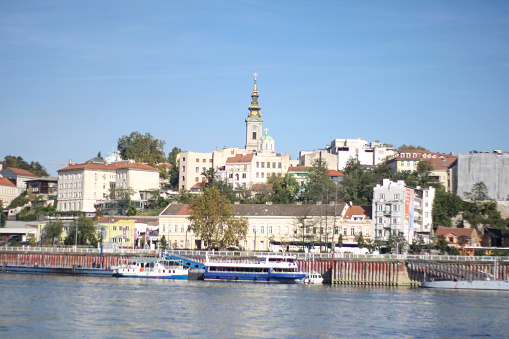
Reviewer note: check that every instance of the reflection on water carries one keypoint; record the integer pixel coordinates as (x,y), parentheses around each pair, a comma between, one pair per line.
(67,306)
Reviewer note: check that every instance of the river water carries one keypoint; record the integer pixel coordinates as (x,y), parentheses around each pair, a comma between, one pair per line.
(52,306)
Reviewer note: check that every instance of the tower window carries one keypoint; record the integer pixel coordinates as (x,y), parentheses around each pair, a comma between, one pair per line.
(254,135)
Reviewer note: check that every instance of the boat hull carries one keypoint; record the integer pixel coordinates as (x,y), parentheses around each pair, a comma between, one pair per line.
(155,276)
(256,277)
(498,285)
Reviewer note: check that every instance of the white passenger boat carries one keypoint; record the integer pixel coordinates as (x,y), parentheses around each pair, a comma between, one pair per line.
(270,268)
(313,278)
(157,268)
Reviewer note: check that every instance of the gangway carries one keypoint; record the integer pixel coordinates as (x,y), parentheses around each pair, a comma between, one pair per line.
(446,270)
(185,261)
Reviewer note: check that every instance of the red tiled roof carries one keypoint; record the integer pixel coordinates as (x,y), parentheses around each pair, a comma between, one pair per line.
(240,158)
(333,173)
(6,182)
(467,232)
(89,166)
(108,167)
(358,210)
(259,187)
(437,160)
(198,185)
(137,165)
(22,172)
(298,169)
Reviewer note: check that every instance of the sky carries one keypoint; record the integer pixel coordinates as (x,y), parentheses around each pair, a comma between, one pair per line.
(76,76)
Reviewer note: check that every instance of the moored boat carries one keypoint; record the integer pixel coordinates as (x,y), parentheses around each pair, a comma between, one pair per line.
(157,268)
(313,278)
(499,285)
(270,268)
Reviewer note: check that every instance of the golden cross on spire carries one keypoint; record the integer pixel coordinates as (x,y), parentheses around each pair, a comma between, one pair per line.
(266,130)
(255,75)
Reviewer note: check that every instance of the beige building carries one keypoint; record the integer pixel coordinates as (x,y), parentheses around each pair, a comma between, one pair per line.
(444,165)
(270,226)
(8,191)
(81,186)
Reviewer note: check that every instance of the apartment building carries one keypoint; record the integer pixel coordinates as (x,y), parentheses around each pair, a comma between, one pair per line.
(398,209)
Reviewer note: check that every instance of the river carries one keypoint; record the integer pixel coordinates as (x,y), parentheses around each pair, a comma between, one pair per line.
(43,306)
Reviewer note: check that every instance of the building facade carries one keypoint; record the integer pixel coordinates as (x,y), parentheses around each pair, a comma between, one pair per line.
(490,168)
(82,186)
(443,165)
(270,226)
(401,210)
(8,191)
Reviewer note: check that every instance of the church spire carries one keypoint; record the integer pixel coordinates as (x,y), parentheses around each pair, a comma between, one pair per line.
(254,108)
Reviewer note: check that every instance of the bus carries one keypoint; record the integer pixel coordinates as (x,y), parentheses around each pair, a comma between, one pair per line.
(485,251)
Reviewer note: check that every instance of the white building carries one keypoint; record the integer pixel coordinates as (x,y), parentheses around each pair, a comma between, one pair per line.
(371,154)
(340,151)
(398,209)
(81,186)
(8,191)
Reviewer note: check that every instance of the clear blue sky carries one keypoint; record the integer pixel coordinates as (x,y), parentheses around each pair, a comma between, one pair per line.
(75,76)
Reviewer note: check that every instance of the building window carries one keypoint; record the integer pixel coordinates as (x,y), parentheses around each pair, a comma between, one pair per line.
(257,174)
(278,165)
(254,135)
(345,231)
(263,175)
(268,164)
(273,165)
(244,176)
(382,196)
(257,164)
(270,229)
(263,164)
(352,231)
(197,169)
(262,229)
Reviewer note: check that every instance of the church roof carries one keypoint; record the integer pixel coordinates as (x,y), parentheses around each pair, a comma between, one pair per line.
(266,137)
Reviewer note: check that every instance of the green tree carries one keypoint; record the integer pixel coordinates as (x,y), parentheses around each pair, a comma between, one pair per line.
(53,230)
(184,197)
(131,211)
(417,244)
(397,243)
(142,148)
(409,147)
(446,205)
(284,188)
(479,192)
(374,245)
(86,233)
(3,217)
(320,186)
(224,188)
(164,243)
(212,219)
(20,200)
(442,244)
(174,169)
(305,226)
(421,176)
(33,167)
(361,243)
(123,197)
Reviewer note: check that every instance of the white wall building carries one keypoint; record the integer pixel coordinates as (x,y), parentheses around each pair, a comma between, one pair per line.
(398,209)
(81,186)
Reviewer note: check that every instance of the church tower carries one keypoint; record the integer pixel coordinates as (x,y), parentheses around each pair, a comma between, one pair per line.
(254,121)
